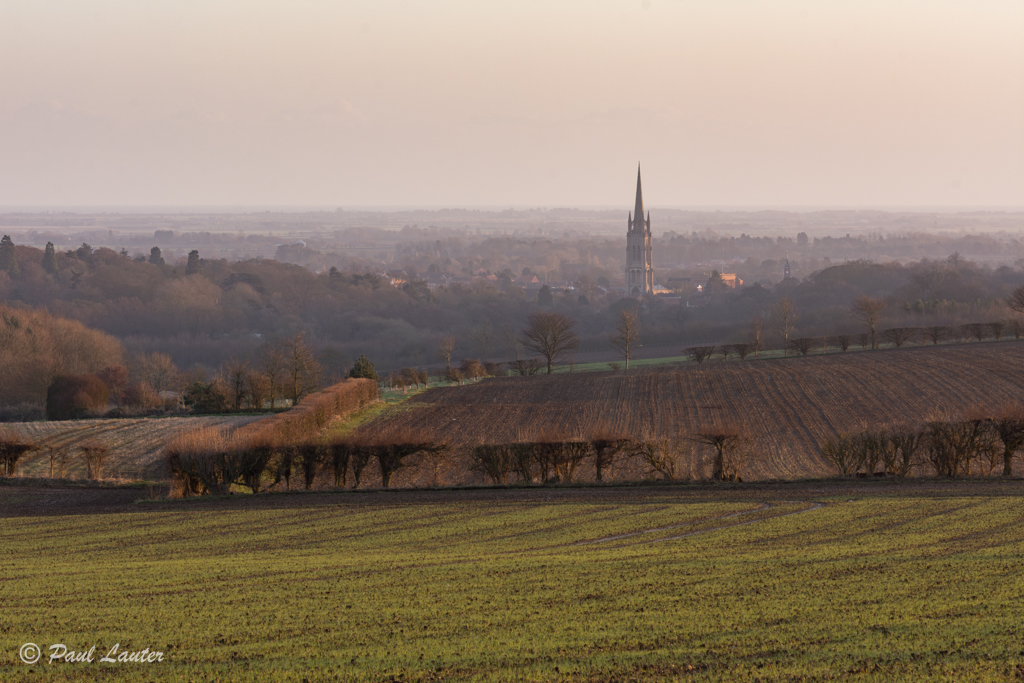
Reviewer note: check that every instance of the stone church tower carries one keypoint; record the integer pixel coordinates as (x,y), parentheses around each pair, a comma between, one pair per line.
(639,272)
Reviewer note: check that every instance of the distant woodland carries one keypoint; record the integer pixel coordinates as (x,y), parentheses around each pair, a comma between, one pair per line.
(203,313)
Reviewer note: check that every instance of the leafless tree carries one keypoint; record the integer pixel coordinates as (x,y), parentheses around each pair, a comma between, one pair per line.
(842,341)
(868,310)
(782,319)
(484,339)
(898,336)
(801,344)
(1008,424)
(726,442)
(256,389)
(301,368)
(445,349)
(550,335)
(627,334)
(157,370)
(235,373)
(272,364)
(936,333)
(1016,328)
(842,454)
(757,335)
(977,330)
(997,328)
(699,353)
(95,454)
(742,350)
(12,448)
(1016,300)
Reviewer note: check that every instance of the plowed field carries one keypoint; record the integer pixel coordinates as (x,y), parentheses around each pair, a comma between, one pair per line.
(788,405)
(135,444)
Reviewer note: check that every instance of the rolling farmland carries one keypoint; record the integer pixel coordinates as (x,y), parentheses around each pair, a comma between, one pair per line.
(789,406)
(135,444)
(869,580)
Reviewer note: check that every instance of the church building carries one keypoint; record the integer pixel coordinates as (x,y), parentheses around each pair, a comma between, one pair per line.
(639,271)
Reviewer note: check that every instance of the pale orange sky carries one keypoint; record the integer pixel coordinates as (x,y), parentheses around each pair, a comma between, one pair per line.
(528,103)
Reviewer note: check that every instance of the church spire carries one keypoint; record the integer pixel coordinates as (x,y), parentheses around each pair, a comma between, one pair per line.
(638,212)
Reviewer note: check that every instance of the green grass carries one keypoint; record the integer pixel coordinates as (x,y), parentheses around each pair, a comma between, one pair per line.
(877,585)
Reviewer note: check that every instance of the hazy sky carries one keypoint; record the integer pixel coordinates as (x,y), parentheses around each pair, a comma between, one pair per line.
(519,103)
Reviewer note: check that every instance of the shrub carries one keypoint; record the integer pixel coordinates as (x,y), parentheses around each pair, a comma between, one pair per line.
(94,453)
(363,369)
(70,397)
(205,398)
(312,414)
(12,447)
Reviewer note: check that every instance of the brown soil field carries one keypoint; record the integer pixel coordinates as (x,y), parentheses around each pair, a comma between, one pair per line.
(135,444)
(36,498)
(789,406)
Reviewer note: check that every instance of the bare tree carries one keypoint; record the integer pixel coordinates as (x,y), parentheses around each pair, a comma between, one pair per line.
(868,310)
(95,454)
(272,364)
(1008,424)
(782,319)
(484,339)
(157,370)
(551,335)
(301,368)
(757,335)
(898,336)
(1016,300)
(445,349)
(977,330)
(699,353)
(627,334)
(936,333)
(842,341)
(235,373)
(256,390)
(727,443)
(801,344)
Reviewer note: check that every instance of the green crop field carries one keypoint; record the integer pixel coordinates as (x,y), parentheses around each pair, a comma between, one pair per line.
(793,581)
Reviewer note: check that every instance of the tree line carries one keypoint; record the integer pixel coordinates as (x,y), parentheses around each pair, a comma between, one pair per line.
(980,442)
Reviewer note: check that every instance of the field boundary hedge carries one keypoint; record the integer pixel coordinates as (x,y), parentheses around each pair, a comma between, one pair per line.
(313,413)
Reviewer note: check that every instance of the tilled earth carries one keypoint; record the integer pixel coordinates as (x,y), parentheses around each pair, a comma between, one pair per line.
(29,498)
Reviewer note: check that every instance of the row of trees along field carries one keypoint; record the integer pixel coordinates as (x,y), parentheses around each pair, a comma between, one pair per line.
(978,442)
(206,462)
(265,436)
(205,312)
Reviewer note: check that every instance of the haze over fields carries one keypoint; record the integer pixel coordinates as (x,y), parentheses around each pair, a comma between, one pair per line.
(409,103)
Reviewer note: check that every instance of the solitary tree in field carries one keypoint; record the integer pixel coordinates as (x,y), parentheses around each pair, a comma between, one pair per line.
(445,349)
(868,310)
(783,319)
(627,334)
(551,335)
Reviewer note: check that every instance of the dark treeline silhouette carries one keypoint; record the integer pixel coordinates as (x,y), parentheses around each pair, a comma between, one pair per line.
(208,312)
